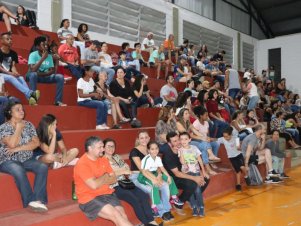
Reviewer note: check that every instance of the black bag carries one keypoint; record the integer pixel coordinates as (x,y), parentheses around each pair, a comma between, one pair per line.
(126,183)
(136,124)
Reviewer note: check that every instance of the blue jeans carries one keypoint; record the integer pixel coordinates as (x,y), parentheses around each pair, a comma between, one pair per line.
(3,103)
(164,206)
(253,102)
(233,92)
(33,79)
(19,83)
(135,63)
(18,171)
(219,126)
(196,199)
(125,109)
(110,72)
(203,146)
(278,164)
(101,109)
(76,70)
(294,133)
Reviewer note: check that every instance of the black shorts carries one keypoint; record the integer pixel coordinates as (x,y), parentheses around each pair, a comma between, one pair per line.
(92,208)
(253,159)
(237,162)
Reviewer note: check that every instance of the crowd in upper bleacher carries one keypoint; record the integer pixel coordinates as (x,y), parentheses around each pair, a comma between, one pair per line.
(217,106)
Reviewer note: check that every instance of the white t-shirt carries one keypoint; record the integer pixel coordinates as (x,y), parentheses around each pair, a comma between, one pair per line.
(108,60)
(87,87)
(148,163)
(253,91)
(166,90)
(230,146)
(148,42)
(203,129)
(1,83)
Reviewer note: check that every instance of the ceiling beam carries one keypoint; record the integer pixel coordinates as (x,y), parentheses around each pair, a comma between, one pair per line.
(259,19)
(288,32)
(289,17)
(278,5)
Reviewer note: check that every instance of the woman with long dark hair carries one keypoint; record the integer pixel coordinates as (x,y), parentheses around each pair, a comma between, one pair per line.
(82,33)
(26,18)
(51,138)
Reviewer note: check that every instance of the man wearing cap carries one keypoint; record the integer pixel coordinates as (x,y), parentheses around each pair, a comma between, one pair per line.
(148,43)
(70,56)
(90,58)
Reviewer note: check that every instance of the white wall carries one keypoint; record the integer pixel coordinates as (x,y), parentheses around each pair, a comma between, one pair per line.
(162,6)
(290,58)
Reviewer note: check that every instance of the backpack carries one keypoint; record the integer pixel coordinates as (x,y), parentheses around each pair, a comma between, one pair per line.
(254,175)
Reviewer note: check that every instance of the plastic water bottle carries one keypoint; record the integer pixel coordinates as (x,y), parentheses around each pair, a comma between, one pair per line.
(74,197)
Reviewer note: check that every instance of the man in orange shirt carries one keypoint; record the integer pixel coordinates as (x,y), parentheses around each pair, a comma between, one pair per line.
(93,176)
(170,49)
(69,55)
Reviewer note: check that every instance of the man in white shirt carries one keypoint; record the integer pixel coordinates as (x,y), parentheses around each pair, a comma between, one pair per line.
(148,43)
(168,92)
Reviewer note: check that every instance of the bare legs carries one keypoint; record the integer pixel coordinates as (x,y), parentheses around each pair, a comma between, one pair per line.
(115,214)
(6,15)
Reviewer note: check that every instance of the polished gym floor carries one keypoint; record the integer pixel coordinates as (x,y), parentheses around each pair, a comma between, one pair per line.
(266,205)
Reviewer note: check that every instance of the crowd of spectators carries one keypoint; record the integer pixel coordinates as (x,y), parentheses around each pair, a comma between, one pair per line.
(192,123)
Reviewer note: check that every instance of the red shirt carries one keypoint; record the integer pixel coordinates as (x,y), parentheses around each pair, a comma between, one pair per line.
(212,107)
(68,53)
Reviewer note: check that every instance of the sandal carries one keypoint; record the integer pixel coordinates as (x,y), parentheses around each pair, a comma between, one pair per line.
(214,159)
(125,120)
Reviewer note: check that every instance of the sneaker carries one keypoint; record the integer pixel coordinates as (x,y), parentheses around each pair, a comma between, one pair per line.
(171,216)
(201,212)
(38,207)
(32,101)
(179,209)
(238,187)
(273,173)
(166,217)
(273,180)
(116,126)
(125,120)
(57,165)
(105,126)
(101,127)
(61,104)
(195,212)
(284,176)
(155,212)
(67,78)
(177,201)
(248,181)
(36,95)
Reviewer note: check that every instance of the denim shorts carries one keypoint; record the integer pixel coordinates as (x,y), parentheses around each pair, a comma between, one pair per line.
(92,208)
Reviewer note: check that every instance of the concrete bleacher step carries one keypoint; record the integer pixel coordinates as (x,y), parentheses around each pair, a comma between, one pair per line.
(47,94)
(61,213)
(82,118)
(59,187)
(125,138)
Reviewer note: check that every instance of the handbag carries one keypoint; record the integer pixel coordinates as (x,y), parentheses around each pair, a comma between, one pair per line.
(126,183)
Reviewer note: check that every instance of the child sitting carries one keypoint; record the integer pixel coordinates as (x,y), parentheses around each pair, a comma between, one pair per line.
(153,172)
(131,72)
(192,164)
(236,158)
